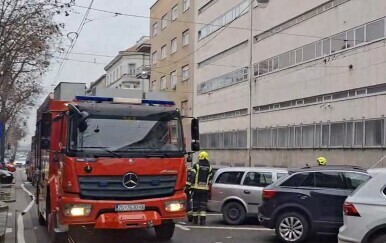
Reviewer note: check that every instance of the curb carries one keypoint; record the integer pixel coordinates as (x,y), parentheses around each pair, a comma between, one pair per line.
(3,219)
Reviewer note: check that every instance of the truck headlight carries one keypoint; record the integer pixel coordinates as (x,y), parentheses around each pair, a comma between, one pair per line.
(77,210)
(175,206)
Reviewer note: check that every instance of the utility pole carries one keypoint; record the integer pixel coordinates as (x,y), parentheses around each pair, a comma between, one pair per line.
(2,141)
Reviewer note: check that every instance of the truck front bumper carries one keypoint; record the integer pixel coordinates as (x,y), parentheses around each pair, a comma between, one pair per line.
(104,216)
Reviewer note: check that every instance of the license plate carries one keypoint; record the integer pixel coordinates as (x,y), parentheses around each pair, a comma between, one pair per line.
(129,207)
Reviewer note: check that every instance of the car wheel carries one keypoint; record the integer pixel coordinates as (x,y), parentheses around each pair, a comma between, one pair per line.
(379,239)
(234,213)
(292,227)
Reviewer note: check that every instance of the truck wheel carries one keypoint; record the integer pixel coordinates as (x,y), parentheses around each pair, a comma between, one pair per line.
(379,239)
(164,231)
(57,237)
(233,213)
(42,221)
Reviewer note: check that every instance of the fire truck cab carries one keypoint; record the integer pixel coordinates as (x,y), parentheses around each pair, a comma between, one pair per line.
(111,163)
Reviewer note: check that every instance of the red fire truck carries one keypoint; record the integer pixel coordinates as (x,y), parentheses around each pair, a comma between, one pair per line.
(111,163)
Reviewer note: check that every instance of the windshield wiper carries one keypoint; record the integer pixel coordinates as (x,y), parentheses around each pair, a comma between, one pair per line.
(107,150)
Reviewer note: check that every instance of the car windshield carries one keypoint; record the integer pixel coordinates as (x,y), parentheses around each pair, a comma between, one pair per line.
(118,135)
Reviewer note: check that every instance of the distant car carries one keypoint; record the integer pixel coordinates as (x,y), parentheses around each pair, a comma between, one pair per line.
(6,177)
(309,201)
(236,191)
(364,212)
(10,167)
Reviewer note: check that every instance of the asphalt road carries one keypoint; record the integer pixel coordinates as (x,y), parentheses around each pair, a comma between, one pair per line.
(214,232)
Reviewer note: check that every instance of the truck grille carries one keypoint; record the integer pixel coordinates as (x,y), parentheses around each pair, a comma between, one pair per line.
(111,187)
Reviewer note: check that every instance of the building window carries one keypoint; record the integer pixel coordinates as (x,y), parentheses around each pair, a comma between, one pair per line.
(185,73)
(174,12)
(224,19)
(163,52)
(154,58)
(164,21)
(184,108)
(132,69)
(173,80)
(163,83)
(225,140)
(223,81)
(174,46)
(185,38)
(155,28)
(294,21)
(153,85)
(369,32)
(186,5)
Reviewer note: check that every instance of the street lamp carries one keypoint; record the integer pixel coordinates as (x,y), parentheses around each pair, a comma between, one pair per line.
(144,75)
(260,4)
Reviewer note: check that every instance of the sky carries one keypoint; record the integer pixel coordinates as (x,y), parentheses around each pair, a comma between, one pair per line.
(103,34)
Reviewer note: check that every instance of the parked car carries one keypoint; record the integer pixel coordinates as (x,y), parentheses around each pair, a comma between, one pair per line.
(365,212)
(236,191)
(10,167)
(309,201)
(6,177)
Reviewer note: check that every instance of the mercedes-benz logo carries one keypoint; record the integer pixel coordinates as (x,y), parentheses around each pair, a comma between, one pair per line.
(130,180)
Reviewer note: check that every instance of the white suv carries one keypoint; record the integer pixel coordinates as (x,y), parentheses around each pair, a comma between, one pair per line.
(236,192)
(365,212)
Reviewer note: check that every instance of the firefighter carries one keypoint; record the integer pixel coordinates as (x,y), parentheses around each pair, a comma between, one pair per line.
(201,177)
(321,161)
(189,195)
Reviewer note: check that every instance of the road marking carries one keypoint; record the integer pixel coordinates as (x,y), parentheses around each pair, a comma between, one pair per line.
(228,228)
(30,205)
(20,229)
(182,227)
(8,230)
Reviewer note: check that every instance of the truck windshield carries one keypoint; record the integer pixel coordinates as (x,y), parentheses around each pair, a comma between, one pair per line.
(120,136)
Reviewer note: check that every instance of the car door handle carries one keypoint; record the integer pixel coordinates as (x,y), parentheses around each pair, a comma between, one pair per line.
(247,192)
(303,197)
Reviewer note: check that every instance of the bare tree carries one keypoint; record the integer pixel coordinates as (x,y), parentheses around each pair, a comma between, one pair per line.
(29,35)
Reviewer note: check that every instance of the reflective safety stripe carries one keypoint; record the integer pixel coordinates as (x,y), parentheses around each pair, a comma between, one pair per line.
(190,213)
(203,214)
(195,214)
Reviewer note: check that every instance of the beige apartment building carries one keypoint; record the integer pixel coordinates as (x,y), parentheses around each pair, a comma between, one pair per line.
(172,44)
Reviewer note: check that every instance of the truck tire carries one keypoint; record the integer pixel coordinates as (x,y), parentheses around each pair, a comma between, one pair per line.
(164,231)
(379,239)
(233,213)
(42,221)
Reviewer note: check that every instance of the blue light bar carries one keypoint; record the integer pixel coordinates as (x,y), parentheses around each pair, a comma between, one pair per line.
(158,102)
(93,98)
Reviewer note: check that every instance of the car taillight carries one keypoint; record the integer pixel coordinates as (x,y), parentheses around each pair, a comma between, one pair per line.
(268,194)
(350,210)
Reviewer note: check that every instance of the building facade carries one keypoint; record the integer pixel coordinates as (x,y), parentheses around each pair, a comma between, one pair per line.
(99,83)
(123,72)
(298,79)
(172,45)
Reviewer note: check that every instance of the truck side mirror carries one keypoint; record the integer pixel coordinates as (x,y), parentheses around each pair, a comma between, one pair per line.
(189,159)
(195,129)
(45,131)
(195,146)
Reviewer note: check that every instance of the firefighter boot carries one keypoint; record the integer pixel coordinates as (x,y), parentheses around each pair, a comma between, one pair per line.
(202,218)
(195,219)
(190,216)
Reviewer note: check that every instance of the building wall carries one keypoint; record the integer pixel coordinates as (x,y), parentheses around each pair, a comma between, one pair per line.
(117,75)
(183,91)
(332,93)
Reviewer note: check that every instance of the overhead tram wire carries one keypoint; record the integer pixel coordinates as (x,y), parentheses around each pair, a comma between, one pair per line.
(199,23)
(73,43)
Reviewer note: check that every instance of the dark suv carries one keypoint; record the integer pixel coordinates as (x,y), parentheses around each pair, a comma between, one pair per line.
(309,201)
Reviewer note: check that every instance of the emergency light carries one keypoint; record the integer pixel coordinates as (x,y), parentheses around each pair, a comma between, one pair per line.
(125,100)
